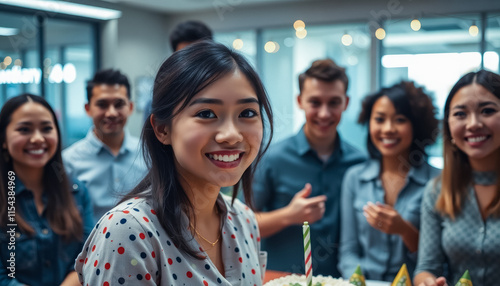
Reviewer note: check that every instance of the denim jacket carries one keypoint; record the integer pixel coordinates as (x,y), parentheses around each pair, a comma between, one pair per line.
(44,258)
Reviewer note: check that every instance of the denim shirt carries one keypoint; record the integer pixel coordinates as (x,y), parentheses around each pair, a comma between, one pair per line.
(107,176)
(380,255)
(283,172)
(44,258)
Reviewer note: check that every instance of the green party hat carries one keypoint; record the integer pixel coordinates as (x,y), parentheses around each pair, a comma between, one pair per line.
(357,278)
(464,280)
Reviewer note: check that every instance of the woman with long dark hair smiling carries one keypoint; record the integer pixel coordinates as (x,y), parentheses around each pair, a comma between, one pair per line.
(205,132)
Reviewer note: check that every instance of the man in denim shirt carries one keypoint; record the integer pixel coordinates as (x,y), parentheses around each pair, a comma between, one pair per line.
(300,178)
(107,160)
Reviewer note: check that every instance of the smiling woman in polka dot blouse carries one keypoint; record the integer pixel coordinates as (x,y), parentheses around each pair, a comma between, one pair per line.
(176,228)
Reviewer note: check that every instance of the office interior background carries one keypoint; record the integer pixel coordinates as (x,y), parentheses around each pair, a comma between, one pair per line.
(52,48)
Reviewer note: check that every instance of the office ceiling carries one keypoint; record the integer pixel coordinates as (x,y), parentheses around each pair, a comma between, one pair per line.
(189,6)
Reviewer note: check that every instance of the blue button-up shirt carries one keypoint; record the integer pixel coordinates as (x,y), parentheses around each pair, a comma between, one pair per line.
(380,255)
(44,258)
(451,246)
(106,176)
(283,172)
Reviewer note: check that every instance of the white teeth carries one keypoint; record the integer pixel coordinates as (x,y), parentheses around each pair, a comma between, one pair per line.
(476,139)
(389,141)
(36,152)
(224,158)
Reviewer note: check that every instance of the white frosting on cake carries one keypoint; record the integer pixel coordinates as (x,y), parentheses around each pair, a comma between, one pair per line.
(301,280)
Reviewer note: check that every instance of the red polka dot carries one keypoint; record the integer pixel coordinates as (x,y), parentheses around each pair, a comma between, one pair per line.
(107,266)
(258,238)
(153,212)
(240,259)
(86,259)
(105,283)
(121,250)
(170,261)
(251,235)
(110,216)
(248,221)
(81,260)
(233,236)
(148,276)
(136,198)
(189,274)
(153,254)
(95,263)
(253,271)
(145,219)
(205,283)
(104,230)
(93,248)
(125,212)
(229,217)
(142,236)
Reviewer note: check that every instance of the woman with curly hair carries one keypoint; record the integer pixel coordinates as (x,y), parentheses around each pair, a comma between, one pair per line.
(380,201)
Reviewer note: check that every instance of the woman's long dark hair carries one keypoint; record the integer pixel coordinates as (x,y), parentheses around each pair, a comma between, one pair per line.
(180,78)
(62,213)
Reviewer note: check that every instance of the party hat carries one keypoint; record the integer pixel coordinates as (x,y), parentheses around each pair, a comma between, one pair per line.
(464,280)
(357,278)
(403,278)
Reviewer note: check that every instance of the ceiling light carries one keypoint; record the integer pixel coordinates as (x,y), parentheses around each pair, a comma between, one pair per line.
(238,44)
(380,33)
(4,31)
(299,25)
(66,8)
(415,25)
(346,39)
(473,30)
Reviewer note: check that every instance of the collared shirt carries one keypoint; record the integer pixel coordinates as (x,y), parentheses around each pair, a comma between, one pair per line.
(106,176)
(380,255)
(129,246)
(44,258)
(454,245)
(283,172)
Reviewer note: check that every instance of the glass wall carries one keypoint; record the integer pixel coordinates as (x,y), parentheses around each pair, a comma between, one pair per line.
(67,63)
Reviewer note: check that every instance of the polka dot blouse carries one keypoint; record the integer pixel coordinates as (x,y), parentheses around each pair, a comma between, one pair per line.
(128,246)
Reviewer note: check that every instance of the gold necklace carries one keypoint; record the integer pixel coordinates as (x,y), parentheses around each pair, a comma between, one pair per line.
(202,237)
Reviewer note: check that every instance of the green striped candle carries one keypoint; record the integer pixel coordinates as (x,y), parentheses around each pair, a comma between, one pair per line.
(306,231)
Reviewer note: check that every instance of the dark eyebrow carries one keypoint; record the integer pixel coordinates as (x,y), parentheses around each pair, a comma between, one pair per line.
(487,103)
(46,122)
(459,107)
(219,102)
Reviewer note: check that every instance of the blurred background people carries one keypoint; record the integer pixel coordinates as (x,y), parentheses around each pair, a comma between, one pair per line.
(380,206)
(53,213)
(107,160)
(461,208)
(300,177)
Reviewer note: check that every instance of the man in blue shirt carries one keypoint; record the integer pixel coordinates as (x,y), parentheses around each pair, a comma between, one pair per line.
(300,177)
(107,160)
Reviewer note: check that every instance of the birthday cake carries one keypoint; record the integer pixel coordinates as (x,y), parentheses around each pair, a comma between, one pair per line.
(300,280)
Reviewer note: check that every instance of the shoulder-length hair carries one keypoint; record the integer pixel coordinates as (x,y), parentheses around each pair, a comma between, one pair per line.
(414,104)
(62,213)
(456,176)
(180,78)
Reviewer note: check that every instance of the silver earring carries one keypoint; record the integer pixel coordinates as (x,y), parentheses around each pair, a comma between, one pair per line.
(452,141)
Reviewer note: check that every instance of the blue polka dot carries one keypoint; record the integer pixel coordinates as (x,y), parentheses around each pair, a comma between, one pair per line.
(243,275)
(123,221)
(129,203)
(139,277)
(121,280)
(218,280)
(207,267)
(108,234)
(151,234)
(157,233)
(96,226)
(235,229)
(132,237)
(168,243)
(236,249)
(178,259)
(97,272)
(143,255)
(137,210)
(246,241)
(175,276)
